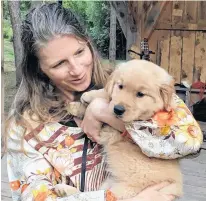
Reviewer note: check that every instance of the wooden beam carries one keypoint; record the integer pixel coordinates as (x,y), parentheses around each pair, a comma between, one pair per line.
(181,26)
(126,21)
(152,17)
(123,16)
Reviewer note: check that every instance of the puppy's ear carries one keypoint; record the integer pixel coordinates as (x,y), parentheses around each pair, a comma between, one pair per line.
(110,84)
(166,91)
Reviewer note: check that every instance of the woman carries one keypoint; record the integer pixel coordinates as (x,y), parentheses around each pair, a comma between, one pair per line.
(45,147)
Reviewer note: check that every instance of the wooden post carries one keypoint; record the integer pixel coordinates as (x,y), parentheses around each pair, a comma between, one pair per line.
(126,21)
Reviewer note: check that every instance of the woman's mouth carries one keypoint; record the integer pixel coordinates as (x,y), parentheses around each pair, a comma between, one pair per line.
(78,80)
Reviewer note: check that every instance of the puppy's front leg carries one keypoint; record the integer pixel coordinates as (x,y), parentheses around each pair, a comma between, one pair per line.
(89,96)
(173,189)
(124,191)
(76,109)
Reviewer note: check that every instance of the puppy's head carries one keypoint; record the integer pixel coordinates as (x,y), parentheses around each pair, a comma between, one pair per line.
(138,89)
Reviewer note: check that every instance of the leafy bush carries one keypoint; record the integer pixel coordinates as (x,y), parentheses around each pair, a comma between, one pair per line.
(7,30)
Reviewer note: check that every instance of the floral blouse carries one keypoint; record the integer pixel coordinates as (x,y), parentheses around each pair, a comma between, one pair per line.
(34,171)
(168,135)
(52,154)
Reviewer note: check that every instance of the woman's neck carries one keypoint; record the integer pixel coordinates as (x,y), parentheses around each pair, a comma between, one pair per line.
(70,96)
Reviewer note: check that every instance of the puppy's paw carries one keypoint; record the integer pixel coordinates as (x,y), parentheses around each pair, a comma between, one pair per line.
(86,98)
(64,190)
(76,109)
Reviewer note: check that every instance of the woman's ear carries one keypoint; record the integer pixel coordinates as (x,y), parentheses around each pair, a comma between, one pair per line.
(110,84)
(166,92)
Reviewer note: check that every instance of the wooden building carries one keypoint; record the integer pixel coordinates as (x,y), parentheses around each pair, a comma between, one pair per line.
(176,31)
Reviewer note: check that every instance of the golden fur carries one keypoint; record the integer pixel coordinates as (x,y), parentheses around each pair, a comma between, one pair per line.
(131,170)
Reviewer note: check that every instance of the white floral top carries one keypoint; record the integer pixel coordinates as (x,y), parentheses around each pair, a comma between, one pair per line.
(168,135)
(56,157)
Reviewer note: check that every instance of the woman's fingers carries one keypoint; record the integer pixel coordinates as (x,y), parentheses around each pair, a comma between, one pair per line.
(78,121)
(170,197)
(94,138)
(159,186)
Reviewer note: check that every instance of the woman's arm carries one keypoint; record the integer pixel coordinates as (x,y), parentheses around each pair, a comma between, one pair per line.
(97,113)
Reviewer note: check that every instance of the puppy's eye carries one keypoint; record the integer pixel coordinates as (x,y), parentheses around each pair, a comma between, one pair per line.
(140,94)
(120,86)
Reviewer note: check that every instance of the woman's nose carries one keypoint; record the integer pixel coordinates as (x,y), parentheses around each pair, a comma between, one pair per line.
(75,69)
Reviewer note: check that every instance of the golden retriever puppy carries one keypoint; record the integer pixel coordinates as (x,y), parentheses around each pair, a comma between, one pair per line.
(136,90)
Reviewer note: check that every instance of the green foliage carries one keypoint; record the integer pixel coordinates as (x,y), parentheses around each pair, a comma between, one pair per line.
(95,15)
(78,6)
(24,8)
(98,17)
(7,30)
(8,50)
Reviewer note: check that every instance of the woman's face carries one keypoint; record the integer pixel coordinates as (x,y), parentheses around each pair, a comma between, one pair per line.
(68,62)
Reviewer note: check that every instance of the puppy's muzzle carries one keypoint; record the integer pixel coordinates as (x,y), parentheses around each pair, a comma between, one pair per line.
(119,110)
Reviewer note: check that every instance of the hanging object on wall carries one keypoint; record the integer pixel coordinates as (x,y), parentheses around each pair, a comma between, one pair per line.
(144,50)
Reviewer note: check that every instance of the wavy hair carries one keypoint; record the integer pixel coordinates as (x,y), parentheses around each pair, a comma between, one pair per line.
(37,94)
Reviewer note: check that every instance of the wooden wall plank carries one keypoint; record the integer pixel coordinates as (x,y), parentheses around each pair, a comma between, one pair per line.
(201,10)
(166,14)
(153,45)
(190,12)
(200,56)
(153,16)
(175,55)
(164,51)
(163,39)
(177,11)
(188,57)
(182,26)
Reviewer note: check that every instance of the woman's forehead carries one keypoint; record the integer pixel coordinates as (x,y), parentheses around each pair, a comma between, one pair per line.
(60,46)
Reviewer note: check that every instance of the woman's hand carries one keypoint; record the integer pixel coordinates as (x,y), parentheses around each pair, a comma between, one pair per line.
(153,193)
(96,114)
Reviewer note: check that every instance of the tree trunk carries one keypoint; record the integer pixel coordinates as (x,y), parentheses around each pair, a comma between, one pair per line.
(14,10)
(2,88)
(112,35)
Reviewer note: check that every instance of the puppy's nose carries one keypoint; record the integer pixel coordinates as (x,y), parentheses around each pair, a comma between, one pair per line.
(119,109)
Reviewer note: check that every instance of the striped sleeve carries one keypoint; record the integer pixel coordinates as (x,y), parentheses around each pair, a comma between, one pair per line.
(48,158)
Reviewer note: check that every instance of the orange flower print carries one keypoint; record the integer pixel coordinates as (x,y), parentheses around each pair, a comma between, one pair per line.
(164,118)
(69,141)
(41,196)
(62,159)
(15,185)
(57,174)
(193,131)
(110,196)
(42,193)
(24,187)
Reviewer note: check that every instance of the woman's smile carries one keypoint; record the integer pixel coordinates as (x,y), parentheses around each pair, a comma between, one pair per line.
(78,80)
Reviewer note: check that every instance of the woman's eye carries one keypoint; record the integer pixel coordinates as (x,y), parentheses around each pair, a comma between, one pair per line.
(59,64)
(79,52)
(120,86)
(140,94)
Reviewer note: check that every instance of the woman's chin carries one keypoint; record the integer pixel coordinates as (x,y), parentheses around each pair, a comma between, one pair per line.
(82,87)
